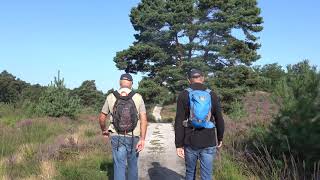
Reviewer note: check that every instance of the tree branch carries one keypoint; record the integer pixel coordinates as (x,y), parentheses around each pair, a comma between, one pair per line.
(180,50)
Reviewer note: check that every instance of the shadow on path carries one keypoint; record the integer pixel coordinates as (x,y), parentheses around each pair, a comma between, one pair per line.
(157,172)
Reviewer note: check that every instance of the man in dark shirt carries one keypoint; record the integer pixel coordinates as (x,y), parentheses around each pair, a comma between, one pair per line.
(193,144)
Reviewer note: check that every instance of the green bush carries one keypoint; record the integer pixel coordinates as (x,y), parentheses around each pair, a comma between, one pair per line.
(153,93)
(237,110)
(270,75)
(29,108)
(96,166)
(57,101)
(295,132)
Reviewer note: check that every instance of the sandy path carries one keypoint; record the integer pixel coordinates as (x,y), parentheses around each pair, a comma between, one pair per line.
(158,161)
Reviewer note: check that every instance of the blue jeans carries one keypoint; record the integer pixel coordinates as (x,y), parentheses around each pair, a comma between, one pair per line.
(206,157)
(124,154)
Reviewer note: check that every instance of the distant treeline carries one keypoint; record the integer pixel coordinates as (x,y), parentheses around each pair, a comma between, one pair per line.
(53,100)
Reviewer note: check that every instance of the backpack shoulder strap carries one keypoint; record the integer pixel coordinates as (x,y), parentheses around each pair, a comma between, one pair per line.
(116,94)
(131,94)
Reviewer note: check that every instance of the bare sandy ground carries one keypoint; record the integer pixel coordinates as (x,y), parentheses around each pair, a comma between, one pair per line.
(158,161)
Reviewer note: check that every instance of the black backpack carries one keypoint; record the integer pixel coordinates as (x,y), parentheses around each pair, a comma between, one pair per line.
(125,114)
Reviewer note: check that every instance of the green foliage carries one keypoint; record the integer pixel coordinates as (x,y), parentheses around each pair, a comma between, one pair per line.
(173,78)
(29,109)
(32,93)
(153,93)
(296,130)
(10,87)
(57,101)
(237,110)
(89,95)
(174,36)
(226,168)
(270,75)
(231,83)
(96,166)
(17,98)
(272,71)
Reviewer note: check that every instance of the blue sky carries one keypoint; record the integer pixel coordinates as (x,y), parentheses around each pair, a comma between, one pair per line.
(80,37)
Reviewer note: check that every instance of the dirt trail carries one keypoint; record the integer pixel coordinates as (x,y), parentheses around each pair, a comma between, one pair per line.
(158,161)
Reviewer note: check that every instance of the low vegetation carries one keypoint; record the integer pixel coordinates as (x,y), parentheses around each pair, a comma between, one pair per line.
(272,125)
(55,148)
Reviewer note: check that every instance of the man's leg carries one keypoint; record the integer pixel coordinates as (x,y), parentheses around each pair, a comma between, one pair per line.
(191,157)
(132,158)
(206,162)
(119,155)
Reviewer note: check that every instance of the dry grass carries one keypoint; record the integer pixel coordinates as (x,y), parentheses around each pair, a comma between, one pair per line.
(59,141)
(260,163)
(48,170)
(265,166)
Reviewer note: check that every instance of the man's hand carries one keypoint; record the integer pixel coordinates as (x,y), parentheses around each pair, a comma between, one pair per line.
(219,144)
(180,152)
(143,131)
(105,135)
(102,122)
(140,145)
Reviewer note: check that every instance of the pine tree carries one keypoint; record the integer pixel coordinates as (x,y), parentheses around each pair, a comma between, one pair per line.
(57,101)
(176,35)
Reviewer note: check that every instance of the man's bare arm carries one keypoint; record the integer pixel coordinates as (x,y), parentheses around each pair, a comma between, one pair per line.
(143,125)
(143,131)
(102,121)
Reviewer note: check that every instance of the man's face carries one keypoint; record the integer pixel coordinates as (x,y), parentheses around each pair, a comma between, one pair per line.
(126,84)
(199,79)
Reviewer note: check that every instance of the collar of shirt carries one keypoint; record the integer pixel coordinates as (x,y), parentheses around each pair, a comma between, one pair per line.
(125,90)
